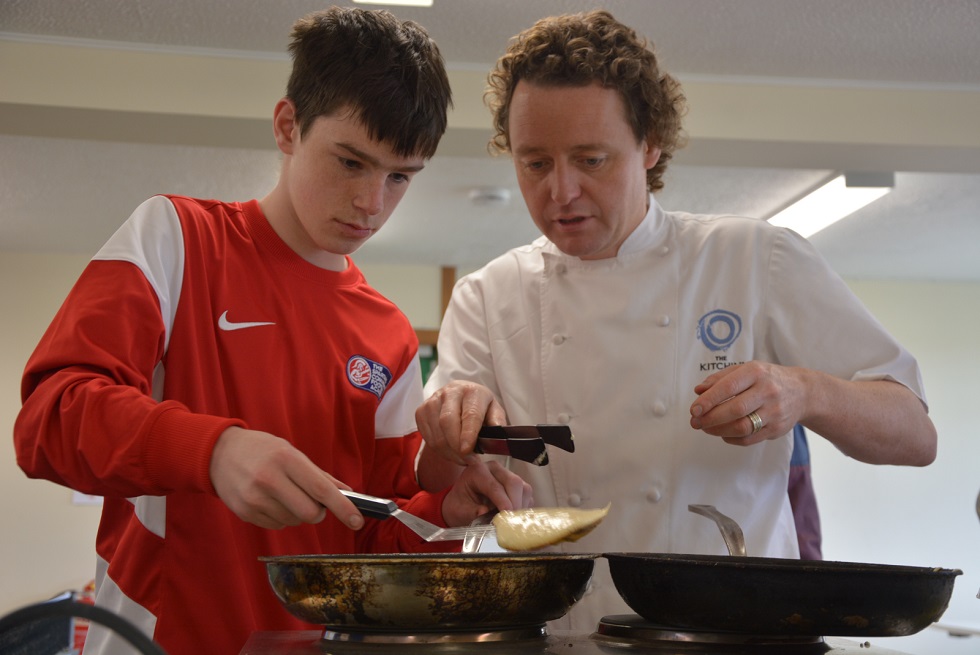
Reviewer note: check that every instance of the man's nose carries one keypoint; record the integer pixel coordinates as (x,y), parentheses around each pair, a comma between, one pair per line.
(564,185)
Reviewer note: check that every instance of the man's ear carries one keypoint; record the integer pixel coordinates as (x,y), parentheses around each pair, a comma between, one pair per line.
(284,126)
(652,155)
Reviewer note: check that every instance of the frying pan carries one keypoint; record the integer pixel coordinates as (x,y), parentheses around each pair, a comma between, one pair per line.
(432,591)
(772,596)
(781,596)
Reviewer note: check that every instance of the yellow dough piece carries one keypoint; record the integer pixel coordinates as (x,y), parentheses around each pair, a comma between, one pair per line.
(537,527)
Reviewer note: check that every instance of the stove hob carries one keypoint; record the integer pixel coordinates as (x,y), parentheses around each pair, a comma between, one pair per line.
(614,635)
(632,630)
(617,631)
(509,634)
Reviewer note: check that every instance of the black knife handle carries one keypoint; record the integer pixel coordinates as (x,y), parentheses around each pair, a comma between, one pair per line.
(553,434)
(509,432)
(377,508)
(557,435)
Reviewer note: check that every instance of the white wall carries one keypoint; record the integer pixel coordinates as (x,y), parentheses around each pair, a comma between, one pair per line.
(870,514)
(920,517)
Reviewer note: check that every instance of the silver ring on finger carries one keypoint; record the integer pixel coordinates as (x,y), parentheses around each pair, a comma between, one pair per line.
(756,421)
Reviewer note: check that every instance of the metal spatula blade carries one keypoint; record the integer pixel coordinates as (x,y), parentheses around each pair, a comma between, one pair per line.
(382,508)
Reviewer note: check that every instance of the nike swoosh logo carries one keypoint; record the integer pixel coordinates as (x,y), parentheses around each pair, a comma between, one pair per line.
(227,325)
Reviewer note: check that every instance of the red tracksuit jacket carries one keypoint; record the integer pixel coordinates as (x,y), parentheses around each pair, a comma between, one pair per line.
(195,317)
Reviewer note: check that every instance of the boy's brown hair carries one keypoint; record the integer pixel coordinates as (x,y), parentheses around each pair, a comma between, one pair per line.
(387,72)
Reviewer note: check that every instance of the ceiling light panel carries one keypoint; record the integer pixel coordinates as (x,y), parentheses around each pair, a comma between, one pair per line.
(840,197)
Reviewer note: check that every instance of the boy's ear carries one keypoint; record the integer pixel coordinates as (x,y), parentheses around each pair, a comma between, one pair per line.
(284,125)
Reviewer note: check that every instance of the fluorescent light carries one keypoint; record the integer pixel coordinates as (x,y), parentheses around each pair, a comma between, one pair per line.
(400,3)
(843,195)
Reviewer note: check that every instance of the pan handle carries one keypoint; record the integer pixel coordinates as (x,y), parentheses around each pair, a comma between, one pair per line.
(730,530)
(376,508)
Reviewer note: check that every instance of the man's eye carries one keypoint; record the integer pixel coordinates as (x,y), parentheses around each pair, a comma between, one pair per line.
(593,162)
(349,163)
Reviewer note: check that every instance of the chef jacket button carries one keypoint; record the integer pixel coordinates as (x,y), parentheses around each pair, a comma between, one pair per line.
(561,269)
(659,409)
(664,250)
(654,495)
(564,418)
(663,321)
(558,339)
(574,500)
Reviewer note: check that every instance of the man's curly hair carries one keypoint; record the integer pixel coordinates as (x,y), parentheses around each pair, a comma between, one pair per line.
(581,49)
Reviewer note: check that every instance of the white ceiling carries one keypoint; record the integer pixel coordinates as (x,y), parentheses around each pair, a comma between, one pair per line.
(782,93)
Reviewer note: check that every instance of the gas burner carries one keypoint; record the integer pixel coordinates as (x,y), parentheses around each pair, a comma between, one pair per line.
(310,642)
(631,630)
(441,636)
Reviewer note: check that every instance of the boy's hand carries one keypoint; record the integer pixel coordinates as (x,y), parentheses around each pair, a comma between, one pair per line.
(266,481)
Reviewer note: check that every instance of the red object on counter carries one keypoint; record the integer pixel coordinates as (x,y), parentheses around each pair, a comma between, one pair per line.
(80,625)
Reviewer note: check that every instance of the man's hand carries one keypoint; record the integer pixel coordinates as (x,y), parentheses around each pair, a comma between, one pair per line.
(481,487)
(265,480)
(450,419)
(726,399)
(873,421)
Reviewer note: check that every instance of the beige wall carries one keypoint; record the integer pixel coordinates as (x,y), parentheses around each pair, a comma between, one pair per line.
(416,289)
(48,543)
(874,514)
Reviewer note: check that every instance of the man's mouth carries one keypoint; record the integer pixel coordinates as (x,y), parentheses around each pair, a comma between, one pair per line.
(571,220)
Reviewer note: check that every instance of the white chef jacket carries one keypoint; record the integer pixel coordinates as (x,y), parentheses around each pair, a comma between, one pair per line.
(614,348)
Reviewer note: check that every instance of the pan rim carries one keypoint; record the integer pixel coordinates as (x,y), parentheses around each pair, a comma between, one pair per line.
(729,561)
(429,558)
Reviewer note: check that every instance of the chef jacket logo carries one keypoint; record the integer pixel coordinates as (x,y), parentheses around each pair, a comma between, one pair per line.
(368,375)
(719,329)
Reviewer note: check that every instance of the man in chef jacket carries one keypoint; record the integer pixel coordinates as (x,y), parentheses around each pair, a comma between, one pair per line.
(681,349)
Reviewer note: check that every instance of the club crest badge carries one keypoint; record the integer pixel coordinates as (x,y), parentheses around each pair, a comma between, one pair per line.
(368,375)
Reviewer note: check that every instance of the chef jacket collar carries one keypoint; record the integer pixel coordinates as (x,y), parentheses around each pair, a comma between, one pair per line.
(646,235)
